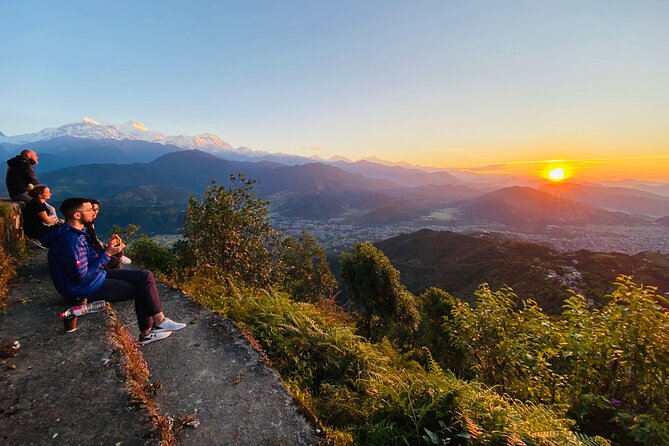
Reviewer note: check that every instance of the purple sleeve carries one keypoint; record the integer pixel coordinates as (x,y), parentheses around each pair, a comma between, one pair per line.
(79,267)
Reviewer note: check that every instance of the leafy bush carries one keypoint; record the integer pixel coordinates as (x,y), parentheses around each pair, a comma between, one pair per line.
(617,360)
(158,258)
(386,308)
(434,337)
(228,233)
(307,274)
(608,366)
(512,348)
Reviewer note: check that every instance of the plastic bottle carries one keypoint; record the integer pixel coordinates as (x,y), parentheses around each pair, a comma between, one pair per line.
(80,310)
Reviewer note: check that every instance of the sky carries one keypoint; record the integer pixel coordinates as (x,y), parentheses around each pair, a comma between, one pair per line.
(436,83)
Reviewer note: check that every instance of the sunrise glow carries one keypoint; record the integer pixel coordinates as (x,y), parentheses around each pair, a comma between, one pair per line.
(556,174)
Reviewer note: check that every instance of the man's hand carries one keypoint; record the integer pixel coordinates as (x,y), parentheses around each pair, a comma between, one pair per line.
(113,249)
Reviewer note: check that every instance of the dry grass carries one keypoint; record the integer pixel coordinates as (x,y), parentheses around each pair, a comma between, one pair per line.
(136,373)
(7,273)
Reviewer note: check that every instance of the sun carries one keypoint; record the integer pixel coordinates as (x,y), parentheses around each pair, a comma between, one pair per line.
(557,174)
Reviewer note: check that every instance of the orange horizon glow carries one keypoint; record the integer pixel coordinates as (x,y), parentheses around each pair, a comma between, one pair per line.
(650,168)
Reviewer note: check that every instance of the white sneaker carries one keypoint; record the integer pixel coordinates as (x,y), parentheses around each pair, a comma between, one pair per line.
(38,244)
(167,325)
(153,336)
(125,260)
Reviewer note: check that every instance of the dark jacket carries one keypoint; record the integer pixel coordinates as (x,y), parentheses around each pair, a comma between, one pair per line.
(20,173)
(77,268)
(33,226)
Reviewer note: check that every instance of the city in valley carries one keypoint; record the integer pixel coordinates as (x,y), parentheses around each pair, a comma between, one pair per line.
(337,237)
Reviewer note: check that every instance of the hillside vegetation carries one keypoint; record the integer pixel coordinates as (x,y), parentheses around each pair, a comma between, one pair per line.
(399,368)
(12,246)
(459,263)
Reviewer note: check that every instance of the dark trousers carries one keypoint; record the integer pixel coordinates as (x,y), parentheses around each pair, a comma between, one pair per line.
(127,284)
(24,197)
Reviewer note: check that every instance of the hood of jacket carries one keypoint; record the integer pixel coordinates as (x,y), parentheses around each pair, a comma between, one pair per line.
(18,161)
(50,237)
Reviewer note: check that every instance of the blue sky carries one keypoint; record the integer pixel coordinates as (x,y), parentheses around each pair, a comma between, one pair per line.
(432,82)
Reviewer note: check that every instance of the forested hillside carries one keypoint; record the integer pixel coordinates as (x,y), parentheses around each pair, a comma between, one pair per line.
(459,263)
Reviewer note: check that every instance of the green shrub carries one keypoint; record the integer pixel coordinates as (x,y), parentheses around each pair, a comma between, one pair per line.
(386,308)
(307,274)
(228,233)
(609,367)
(617,360)
(155,257)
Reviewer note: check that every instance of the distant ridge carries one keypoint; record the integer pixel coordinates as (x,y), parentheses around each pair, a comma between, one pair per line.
(663,220)
(519,206)
(611,198)
(406,176)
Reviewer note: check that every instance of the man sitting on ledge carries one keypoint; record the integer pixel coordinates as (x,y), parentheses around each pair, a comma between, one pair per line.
(21,175)
(78,272)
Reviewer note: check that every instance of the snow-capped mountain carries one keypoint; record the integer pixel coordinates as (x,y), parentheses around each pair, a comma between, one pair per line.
(131,130)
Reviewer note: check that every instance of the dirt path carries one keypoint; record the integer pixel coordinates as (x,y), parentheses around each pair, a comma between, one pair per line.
(68,388)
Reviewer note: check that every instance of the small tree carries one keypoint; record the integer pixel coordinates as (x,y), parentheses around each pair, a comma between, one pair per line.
(307,273)
(437,333)
(385,306)
(228,232)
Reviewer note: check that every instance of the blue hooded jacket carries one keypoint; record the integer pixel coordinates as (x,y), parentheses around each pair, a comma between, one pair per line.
(77,269)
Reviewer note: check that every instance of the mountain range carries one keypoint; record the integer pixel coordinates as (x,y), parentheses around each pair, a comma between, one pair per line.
(317,191)
(130,166)
(130,130)
(128,142)
(312,191)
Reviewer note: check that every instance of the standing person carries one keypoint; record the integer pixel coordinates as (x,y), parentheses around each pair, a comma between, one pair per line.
(21,175)
(39,217)
(118,260)
(77,272)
